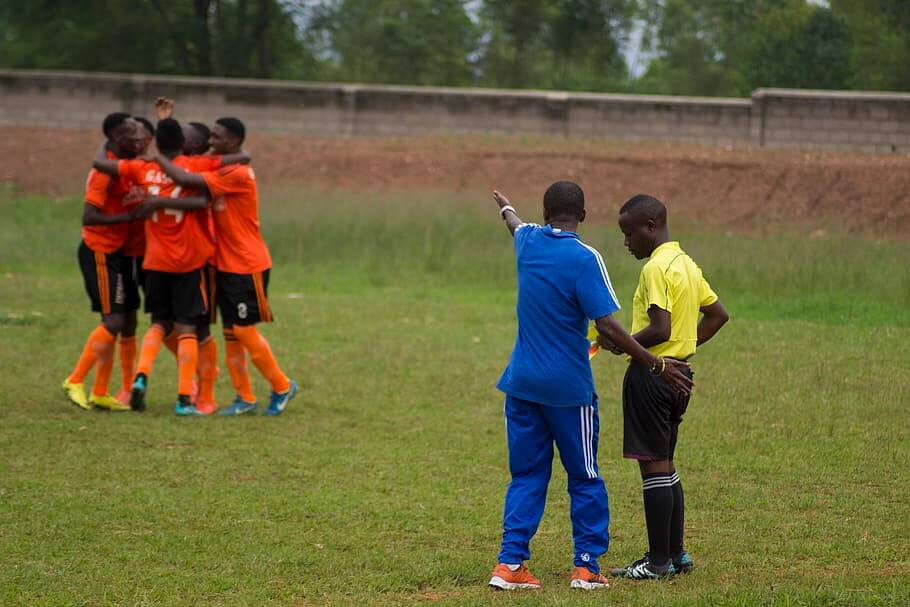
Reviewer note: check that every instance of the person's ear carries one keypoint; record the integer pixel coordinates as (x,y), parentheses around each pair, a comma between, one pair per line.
(581,217)
(546,215)
(651,225)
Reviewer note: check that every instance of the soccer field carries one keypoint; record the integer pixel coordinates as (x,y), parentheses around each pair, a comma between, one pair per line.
(383,482)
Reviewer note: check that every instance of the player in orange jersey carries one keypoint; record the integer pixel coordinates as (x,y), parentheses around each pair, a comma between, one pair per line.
(243,264)
(133,250)
(107,278)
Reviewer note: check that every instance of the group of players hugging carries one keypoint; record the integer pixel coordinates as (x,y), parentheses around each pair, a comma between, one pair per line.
(180,223)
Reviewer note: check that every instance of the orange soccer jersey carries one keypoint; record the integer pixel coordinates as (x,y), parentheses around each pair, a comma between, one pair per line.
(176,241)
(241,249)
(106,193)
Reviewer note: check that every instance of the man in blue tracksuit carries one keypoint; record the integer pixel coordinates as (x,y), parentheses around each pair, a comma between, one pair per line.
(550,397)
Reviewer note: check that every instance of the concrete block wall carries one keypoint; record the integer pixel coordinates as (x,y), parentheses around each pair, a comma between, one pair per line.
(867,122)
(855,121)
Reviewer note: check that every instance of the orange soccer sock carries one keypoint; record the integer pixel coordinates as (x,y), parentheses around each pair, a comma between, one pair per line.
(151,343)
(103,372)
(100,344)
(187,359)
(127,360)
(235,359)
(208,369)
(171,342)
(262,357)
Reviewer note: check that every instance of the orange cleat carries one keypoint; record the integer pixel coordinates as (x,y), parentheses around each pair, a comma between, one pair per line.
(506,579)
(584,578)
(206,408)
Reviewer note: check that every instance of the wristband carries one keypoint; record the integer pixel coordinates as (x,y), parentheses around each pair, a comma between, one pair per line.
(655,370)
(508,207)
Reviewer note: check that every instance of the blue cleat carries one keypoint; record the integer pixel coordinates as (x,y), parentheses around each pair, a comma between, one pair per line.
(238,407)
(685,564)
(280,400)
(185,408)
(137,392)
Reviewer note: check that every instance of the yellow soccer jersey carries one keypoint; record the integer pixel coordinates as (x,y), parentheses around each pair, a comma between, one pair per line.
(673,282)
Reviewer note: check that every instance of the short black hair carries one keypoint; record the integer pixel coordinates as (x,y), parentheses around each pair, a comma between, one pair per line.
(146,123)
(645,207)
(169,137)
(564,198)
(233,126)
(201,129)
(112,121)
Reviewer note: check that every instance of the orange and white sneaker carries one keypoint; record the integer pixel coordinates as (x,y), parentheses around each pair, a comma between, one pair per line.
(206,407)
(506,579)
(585,579)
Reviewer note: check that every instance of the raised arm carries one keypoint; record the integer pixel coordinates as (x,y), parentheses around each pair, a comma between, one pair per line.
(715,316)
(507,211)
(182,178)
(666,368)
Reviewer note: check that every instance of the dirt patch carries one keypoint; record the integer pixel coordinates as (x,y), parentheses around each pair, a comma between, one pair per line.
(748,190)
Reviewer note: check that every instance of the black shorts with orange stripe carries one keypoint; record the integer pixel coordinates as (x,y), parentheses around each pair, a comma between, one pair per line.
(108,281)
(210,317)
(179,297)
(243,298)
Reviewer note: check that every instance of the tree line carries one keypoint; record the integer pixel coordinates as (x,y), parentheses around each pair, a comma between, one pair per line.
(684,47)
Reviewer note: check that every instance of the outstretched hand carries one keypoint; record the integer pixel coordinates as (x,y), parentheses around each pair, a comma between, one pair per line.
(164,108)
(500,199)
(673,375)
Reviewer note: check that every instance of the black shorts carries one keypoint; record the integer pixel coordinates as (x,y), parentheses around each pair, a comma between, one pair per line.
(243,298)
(134,269)
(108,281)
(179,297)
(210,317)
(651,414)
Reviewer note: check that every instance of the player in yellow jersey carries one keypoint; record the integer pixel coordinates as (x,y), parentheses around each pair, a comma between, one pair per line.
(673,311)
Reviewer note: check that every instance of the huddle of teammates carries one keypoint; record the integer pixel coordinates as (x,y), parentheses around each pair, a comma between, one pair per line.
(563,284)
(182,226)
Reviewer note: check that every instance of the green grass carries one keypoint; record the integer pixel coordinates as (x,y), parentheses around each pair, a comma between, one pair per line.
(383,483)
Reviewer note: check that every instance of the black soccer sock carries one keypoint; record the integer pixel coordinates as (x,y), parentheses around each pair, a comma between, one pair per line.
(678,520)
(658,497)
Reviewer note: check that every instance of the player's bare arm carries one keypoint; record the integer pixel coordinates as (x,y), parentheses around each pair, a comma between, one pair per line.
(241,157)
(507,211)
(657,331)
(104,164)
(713,318)
(665,367)
(92,216)
(182,178)
(189,203)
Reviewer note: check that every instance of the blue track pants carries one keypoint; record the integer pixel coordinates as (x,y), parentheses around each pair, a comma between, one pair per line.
(532,429)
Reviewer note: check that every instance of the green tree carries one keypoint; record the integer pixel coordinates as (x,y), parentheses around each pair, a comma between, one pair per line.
(731,47)
(880,30)
(206,37)
(563,44)
(800,47)
(403,42)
